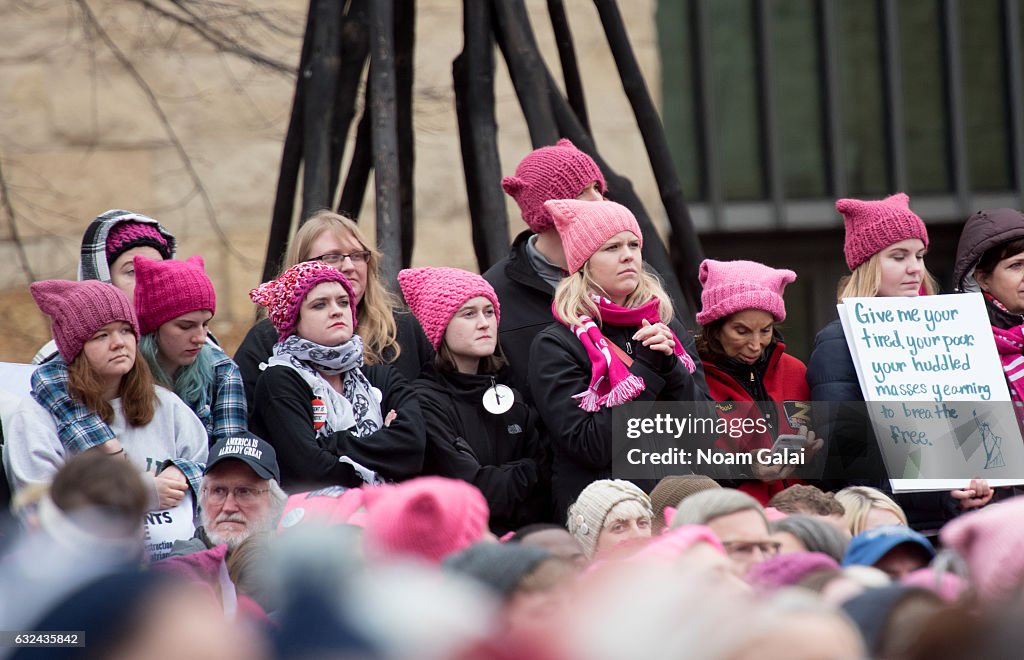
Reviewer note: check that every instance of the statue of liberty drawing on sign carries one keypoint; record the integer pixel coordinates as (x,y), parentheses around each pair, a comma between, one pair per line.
(992,444)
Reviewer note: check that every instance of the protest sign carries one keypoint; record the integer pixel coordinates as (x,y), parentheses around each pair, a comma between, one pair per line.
(936,393)
(166,526)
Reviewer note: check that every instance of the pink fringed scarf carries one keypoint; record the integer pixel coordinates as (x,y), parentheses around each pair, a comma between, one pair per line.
(1010,345)
(611,382)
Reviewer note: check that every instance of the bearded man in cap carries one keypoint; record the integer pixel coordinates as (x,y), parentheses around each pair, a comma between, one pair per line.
(239,496)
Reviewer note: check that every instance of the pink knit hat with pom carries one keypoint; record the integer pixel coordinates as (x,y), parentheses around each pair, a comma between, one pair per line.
(435,294)
(733,286)
(872,226)
(79,309)
(558,172)
(990,541)
(585,226)
(427,518)
(164,290)
(283,297)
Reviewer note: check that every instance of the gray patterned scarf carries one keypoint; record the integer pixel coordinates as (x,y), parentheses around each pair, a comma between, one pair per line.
(357,407)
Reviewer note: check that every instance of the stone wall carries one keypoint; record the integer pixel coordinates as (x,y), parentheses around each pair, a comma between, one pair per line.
(79,135)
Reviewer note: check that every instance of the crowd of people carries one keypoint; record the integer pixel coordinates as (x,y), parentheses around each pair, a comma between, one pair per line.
(432,475)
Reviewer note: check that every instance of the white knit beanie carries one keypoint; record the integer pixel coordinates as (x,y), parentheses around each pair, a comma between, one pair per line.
(587,514)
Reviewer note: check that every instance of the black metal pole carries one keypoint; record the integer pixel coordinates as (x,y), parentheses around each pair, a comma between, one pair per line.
(288,175)
(526,68)
(685,245)
(473,76)
(318,111)
(384,129)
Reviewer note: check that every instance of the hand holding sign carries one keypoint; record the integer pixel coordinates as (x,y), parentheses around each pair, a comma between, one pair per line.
(976,495)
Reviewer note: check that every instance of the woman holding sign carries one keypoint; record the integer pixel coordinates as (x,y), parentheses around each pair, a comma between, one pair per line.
(478,428)
(332,420)
(615,342)
(990,258)
(885,246)
(745,362)
(97,335)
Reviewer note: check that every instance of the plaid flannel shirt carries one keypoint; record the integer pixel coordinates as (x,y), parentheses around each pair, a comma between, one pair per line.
(78,427)
(193,472)
(227,414)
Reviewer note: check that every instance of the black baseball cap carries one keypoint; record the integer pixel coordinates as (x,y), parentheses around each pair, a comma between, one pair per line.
(252,450)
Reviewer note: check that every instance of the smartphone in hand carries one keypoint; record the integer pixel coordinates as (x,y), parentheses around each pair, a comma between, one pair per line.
(792,443)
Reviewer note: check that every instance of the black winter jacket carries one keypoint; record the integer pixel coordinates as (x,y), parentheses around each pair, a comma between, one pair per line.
(581,440)
(525,309)
(832,377)
(258,345)
(499,454)
(283,416)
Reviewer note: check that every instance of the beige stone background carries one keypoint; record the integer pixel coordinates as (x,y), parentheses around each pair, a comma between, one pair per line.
(78,136)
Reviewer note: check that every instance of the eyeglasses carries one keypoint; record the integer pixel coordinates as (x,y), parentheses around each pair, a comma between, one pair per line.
(336,259)
(243,494)
(767,548)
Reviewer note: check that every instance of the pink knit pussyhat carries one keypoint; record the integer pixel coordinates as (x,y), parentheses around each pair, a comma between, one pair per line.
(558,172)
(990,541)
(79,309)
(434,295)
(585,226)
(283,297)
(872,226)
(733,286)
(333,505)
(674,542)
(164,290)
(426,518)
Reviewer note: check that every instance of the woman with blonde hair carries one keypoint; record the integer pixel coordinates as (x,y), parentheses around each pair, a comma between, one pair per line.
(615,341)
(865,508)
(390,336)
(885,246)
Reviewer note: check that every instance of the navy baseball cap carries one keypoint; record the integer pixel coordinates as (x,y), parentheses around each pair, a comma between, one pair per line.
(868,547)
(252,450)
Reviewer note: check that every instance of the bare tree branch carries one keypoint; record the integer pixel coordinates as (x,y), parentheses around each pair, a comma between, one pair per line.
(5,197)
(231,12)
(172,135)
(217,38)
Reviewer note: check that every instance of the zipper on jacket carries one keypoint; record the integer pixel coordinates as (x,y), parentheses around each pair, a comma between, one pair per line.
(629,347)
